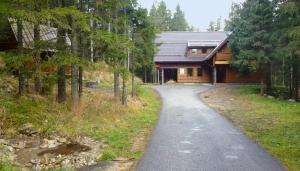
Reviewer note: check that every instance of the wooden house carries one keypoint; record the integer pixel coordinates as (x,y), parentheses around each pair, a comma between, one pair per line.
(197,57)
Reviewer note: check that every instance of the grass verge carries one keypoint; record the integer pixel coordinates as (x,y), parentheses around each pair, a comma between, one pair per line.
(273,123)
(99,116)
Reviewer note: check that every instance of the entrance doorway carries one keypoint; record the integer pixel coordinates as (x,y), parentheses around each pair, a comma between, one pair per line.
(221,74)
(170,75)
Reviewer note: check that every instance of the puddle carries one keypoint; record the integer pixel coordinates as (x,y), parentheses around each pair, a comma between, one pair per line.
(66,149)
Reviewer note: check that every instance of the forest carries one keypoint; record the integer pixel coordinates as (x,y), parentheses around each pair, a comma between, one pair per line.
(119,33)
(265,37)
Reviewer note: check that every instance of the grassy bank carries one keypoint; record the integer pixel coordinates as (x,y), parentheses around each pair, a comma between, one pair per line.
(124,130)
(273,123)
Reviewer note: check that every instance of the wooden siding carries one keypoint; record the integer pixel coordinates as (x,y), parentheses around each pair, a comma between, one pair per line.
(233,76)
(205,78)
(224,56)
(199,52)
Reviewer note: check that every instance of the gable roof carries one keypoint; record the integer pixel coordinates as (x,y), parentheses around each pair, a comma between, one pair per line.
(173,45)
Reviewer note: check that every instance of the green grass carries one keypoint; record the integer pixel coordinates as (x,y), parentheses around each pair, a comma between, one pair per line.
(99,116)
(119,138)
(8,167)
(273,123)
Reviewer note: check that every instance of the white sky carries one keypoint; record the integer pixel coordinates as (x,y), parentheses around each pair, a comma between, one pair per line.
(198,12)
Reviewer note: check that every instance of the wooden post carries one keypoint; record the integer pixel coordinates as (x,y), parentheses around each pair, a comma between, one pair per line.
(162,76)
(158,75)
(215,75)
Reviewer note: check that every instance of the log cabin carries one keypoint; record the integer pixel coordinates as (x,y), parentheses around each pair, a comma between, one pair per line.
(197,57)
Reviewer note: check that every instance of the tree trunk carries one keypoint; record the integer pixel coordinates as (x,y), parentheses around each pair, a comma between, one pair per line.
(145,72)
(61,85)
(74,85)
(132,77)
(22,85)
(295,82)
(124,93)
(61,80)
(262,86)
(269,80)
(117,84)
(37,61)
(80,81)
(74,67)
(291,81)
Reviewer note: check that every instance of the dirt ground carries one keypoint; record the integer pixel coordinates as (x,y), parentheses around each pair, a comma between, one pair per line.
(226,101)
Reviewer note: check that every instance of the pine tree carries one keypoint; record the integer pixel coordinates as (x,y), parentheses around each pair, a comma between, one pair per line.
(161,17)
(178,22)
(250,40)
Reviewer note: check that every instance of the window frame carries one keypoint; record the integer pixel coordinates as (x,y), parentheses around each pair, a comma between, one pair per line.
(181,71)
(194,51)
(190,74)
(200,74)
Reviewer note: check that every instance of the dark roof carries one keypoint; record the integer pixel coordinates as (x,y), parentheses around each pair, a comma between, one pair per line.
(47,33)
(173,45)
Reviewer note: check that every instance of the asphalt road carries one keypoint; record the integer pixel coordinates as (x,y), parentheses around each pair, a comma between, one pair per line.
(192,137)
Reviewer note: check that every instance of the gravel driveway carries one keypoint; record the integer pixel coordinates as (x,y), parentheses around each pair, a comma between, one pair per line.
(192,137)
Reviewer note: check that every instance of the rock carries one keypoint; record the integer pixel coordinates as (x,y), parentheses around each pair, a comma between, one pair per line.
(271,97)
(62,140)
(10,149)
(66,163)
(292,100)
(52,160)
(4,142)
(44,145)
(31,132)
(52,143)
(19,145)
(121,159)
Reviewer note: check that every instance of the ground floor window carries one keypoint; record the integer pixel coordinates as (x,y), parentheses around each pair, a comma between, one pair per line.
(200,72)
(190,72)
(181,71)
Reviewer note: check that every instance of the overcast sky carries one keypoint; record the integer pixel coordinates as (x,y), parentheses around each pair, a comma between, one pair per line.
(198,12)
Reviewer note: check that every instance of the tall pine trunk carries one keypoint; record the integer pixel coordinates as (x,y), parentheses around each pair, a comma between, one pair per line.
(61,80)
(37,60)
(269,80)
(117,84)
(80,81)
(74,67)
(22,84)
(295,82)
(61,85)
(124,93)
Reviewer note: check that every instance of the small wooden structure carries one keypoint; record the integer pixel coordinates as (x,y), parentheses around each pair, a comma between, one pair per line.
(9,40)
(197,57)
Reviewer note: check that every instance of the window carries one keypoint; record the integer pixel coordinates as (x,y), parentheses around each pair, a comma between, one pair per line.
(204,50)
(181,71)
(190,72)
(200,72)
(194,51)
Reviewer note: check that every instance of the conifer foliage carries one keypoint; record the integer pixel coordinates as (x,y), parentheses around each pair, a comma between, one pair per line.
(116,32)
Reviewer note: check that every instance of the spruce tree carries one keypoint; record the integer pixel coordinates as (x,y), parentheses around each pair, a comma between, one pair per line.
(250,40)
(178,22)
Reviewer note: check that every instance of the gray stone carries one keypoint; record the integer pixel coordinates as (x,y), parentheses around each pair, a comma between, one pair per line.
(292,100)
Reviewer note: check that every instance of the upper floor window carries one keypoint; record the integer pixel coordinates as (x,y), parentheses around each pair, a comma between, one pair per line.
(190,72)
(194,51)
(204,50)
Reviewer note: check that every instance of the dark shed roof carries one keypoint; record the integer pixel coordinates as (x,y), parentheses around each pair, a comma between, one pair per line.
(173,45)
